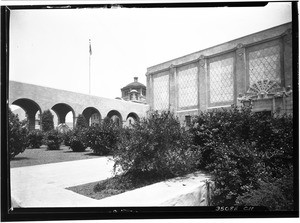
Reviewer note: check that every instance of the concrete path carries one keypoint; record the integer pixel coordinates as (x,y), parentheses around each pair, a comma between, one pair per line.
(44,186)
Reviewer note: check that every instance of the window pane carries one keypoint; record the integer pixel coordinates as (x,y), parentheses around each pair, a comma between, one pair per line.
(187,87)
(161,92)
(221,80)
(265,64)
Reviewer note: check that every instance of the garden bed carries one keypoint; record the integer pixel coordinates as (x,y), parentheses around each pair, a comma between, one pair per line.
(115,185)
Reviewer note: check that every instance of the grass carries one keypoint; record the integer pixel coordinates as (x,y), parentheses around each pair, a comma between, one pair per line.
(116,185)
(42,155)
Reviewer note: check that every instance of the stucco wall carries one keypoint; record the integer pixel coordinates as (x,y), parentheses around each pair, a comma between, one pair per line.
(47,97)
(238,50)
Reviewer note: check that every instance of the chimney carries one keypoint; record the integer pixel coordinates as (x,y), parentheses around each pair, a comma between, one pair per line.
(135,79)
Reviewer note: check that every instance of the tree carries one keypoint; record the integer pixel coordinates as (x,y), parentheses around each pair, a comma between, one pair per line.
(47,121)
(16,135)
(81,122)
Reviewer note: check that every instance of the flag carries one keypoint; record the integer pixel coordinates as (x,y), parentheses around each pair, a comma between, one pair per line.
(90,48)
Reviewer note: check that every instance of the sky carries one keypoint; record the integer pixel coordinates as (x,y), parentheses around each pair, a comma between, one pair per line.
(51,47)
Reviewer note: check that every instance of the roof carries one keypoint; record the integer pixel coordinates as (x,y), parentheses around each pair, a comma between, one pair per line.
(134,84)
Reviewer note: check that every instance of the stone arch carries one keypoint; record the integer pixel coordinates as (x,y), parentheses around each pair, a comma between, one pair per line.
(115,116)
(61,110)
(31,108)
(131,118)
(92,115)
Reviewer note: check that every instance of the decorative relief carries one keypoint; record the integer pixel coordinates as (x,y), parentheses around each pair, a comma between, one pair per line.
(240,50)
(202,60)
(187,87)
(172,69)
(263,89)
(161,92)
(221,80)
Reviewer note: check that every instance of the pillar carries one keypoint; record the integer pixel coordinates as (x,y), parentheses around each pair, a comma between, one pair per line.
(240,79)
(172,88)
(202,83)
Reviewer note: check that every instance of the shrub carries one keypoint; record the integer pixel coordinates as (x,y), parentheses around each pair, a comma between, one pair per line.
(35,138)
(66,136)
(81,122)
(16,135)
(248,154)
(53,139)
(47,121)
(234,171)
(103,138)
(156,145)
(274,193)
(78,140)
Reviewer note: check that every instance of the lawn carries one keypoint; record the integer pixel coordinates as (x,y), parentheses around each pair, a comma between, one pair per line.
(42,155)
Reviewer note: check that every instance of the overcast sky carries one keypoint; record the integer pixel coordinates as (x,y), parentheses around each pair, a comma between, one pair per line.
(51,47)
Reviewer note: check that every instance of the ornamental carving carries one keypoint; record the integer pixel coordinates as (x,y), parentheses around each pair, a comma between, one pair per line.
(264,89)
(172,69)
(202,60)
(240,50)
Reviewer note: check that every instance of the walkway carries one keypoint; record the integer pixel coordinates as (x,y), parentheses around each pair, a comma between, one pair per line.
(44,186)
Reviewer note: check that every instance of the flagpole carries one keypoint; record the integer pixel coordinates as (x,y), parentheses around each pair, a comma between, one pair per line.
(90,74)
(90,53)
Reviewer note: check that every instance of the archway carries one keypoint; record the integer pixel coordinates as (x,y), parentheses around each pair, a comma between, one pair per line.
(131,118)
(116,117)
(62,111)
(32,112)
(92,116)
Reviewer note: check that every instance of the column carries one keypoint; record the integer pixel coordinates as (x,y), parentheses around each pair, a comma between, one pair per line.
(240,72)
(172,88)
(288,58)
(202,83)
(149,90)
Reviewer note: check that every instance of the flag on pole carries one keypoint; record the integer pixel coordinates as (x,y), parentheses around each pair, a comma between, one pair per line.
(90,48)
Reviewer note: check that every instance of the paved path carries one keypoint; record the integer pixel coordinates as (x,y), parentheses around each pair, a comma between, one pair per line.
(44,186)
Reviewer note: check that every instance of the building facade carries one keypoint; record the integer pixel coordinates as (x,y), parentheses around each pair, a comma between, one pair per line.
(255,68)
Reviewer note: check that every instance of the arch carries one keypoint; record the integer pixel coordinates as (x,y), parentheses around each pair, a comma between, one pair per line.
(92,115)
(31,108)
(131,118)
(61,110)
(115,116)
(133,115)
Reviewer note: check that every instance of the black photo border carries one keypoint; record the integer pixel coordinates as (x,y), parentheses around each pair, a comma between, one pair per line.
(45,214)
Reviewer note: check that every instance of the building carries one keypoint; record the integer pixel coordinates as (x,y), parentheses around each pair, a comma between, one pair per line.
(256,68)
(135,92)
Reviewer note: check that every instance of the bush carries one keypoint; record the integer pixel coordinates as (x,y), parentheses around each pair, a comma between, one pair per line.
(275,193)
(156,145)
(103,139)
(234,172)
(66,136)
(35,138)
(248,154)
(53,139)
(81,122)
(16,135)
(78,140)
(47,121)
